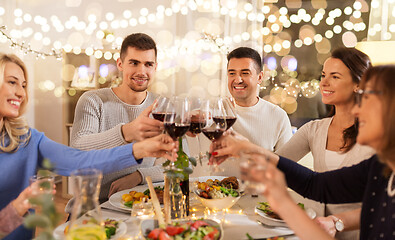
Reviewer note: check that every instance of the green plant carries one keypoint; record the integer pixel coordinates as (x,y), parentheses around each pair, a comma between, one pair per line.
(46,217)
(182,168)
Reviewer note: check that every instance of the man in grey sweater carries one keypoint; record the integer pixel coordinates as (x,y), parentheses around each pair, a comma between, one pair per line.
(110,117)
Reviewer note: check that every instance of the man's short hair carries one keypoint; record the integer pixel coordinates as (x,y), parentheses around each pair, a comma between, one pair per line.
(246,52)
(140,41)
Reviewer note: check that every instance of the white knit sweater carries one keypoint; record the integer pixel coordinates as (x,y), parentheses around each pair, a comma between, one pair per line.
(99,116)
(264,124)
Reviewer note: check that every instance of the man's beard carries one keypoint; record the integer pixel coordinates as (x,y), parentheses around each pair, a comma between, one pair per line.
(138,88)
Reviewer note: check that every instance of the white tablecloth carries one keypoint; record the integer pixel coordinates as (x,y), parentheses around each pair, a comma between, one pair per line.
(238,221)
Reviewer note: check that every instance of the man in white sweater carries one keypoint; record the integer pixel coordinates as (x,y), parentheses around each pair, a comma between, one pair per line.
(110,117)
(261,122)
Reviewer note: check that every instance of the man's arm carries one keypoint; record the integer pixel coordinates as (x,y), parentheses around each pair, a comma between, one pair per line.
(85,134)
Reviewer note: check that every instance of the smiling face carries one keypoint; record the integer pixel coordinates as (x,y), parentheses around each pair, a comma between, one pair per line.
(138,68)
(12,91)
(370,117)
(336,84)
(243,81)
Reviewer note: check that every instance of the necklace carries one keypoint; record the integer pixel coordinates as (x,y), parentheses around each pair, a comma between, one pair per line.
(390,191)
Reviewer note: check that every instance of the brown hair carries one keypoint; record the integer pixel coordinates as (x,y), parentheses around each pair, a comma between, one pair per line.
(14,129)
(246,52)
(382,78)
(140,41)
(357,62)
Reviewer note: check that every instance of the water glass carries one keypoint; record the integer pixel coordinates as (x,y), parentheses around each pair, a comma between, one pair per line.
(140,211)
(42,184)
(256,162)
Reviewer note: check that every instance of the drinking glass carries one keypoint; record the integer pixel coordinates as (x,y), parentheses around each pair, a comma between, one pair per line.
(195,128)
(213,123)
(257,162)
(159,108)
(140,211)
(177,118)
(41,184)
(230,112)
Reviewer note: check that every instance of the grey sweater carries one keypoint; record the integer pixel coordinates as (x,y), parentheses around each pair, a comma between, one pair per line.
(99,116)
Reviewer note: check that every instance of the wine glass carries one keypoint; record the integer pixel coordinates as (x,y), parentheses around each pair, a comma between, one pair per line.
(159,108)
(230,112)
(195,123)
(213,122)
(177,118)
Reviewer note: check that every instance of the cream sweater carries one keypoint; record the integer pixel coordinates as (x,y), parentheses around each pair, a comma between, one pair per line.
(264,124)
(313,137)
(99,116)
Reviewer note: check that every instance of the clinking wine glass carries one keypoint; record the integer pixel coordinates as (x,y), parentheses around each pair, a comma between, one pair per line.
(230,112)
(213,119)
(177,118)
(159,108)
(195,128)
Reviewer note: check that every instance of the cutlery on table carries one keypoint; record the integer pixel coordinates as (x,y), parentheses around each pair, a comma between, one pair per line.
(269,226)
(274,237)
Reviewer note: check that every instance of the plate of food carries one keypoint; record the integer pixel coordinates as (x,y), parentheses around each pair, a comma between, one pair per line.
(218,194)
(183,229)
(113,227)
(125,199)
(263,209)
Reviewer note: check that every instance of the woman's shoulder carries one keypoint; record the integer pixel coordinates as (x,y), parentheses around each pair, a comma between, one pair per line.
(316,125)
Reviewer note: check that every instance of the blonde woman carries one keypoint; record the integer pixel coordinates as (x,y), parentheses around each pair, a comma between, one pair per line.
(22,148)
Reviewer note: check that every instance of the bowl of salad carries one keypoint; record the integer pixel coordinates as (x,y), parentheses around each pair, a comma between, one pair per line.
(184,229)
(218,194)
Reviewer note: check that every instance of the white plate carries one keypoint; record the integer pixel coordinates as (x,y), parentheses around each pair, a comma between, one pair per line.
(58,233)
(309,211)
(116,199)
(264,215)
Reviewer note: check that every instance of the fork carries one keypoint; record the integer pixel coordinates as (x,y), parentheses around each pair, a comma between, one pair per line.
(268,226)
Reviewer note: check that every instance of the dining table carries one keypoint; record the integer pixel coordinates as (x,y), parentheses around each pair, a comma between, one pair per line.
(236,222)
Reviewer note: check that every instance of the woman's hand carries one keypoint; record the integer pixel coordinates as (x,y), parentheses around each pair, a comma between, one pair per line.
(232,144)
(225,147)
(159,146)
(21,203)
(274,181)
(327,223)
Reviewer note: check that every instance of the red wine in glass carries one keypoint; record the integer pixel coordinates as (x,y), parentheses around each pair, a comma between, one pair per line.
(195,127)
(229,121)
(159,116)
(176,130)
(213,134)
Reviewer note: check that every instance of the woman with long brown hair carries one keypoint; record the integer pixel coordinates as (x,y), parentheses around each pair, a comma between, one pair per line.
(332,140)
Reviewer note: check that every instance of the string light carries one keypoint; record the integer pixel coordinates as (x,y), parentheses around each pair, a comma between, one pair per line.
(26,49)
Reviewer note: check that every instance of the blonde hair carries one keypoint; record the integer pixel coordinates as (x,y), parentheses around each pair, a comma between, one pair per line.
(15,130)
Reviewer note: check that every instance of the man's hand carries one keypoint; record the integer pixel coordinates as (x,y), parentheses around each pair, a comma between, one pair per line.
(159,146)
(125,182)
(142,127)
